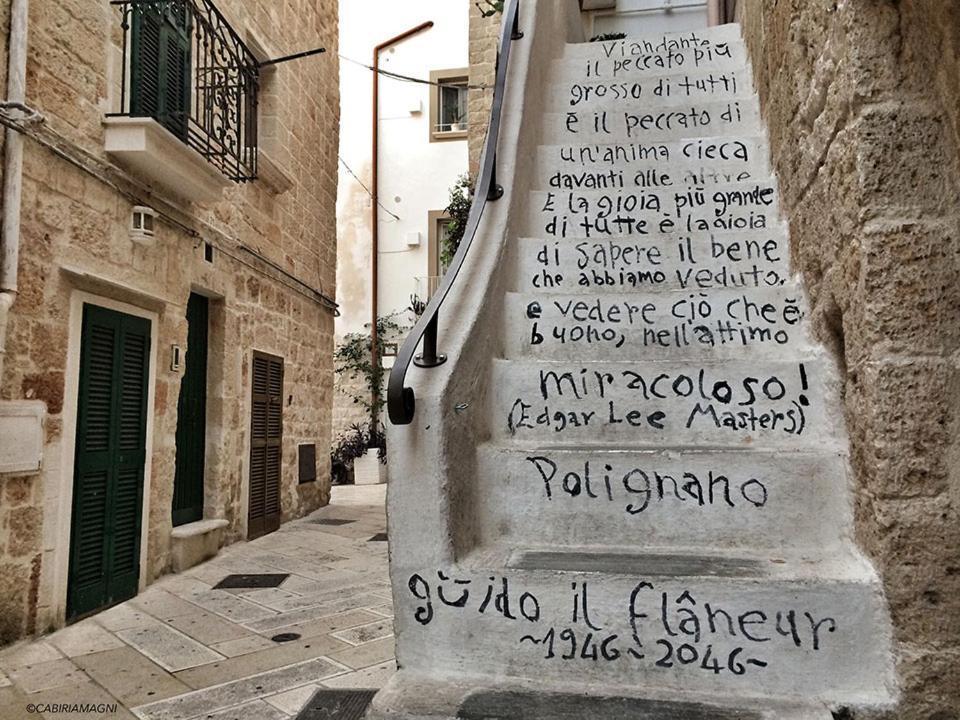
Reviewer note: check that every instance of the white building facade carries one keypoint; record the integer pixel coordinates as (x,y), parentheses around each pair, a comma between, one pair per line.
(422,150)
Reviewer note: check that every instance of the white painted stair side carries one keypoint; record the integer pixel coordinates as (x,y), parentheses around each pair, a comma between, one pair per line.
(659,502)
(694,162)
(726,260)
(764,323)
(661,44)
(774,503)
(709,404)
(648,124)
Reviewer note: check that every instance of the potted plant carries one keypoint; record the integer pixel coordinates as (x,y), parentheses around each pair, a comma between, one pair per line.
(347,448)
(367,446)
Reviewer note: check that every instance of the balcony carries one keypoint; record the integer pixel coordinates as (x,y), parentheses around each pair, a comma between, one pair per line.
(187,115)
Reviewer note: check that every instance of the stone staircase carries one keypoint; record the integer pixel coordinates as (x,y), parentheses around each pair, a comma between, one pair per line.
(658,508)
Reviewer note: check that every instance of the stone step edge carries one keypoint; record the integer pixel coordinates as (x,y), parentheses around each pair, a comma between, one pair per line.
(835,565)
(818,450)
(707,33)
(410,695)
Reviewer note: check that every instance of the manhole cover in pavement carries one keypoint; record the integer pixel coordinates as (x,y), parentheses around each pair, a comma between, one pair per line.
(286,637)
(379,537)
(331,521)
(251,581)
(337,705)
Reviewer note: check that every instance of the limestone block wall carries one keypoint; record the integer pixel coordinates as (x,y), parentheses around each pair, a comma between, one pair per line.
(862,99)
(75,240)
(484,39)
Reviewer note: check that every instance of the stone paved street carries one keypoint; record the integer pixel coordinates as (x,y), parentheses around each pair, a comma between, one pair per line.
(183,650)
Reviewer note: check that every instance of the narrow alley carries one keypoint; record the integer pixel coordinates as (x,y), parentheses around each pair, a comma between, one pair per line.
(186,649)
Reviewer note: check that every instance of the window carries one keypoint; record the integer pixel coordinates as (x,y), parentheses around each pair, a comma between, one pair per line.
(448,105)
(160,65)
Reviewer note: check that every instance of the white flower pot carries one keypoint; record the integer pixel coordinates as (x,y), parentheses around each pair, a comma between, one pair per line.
(368,470)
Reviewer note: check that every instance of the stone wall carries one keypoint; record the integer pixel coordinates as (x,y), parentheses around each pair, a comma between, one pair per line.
(75,239)
(484,40)
(862,99)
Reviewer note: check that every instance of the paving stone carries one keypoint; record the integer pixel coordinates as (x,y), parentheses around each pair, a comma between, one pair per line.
(28,653)
(365,633)
(332,623)
(130,677)
(47,675)
(232,694)
(207,627)
(244,645)
(122,617)
(385,610)
(84,638)
(87,693)
(292,701)
(256,710)
(375,676)
(168,647)
(231,606)
(162,604)
(13,704)
(279,655)
(371,653)
(331,607)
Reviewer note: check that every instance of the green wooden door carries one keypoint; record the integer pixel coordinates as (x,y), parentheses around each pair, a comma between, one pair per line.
(266,445)
(192,417)
(109,460)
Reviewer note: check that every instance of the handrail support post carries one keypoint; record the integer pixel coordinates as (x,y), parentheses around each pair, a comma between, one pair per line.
(429,358)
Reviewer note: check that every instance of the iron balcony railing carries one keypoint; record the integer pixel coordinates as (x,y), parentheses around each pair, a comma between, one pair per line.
(184,66)
(401,400)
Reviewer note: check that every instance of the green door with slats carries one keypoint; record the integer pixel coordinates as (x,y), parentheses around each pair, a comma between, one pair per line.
(192,417)
(266,445)
(109,460)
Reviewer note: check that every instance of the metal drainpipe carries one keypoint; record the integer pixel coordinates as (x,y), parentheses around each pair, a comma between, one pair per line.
(12,169)
(375,191)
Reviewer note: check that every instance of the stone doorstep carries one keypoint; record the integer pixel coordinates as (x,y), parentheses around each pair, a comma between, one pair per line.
(195,542)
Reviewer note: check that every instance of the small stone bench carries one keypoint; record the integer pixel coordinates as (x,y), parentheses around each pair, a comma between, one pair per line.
(195,542)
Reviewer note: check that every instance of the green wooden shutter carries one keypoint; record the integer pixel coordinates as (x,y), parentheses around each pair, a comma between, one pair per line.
(160,58)
(192,417)
(109,460)
(266,444)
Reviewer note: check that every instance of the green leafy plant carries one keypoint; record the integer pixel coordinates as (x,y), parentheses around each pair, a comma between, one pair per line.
(354,360)
(348,447)
(461,198)
(417,306)
(489,8)
(605,37)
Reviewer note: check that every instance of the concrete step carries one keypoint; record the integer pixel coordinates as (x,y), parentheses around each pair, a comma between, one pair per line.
(706,40)
(653,123)
(696,261)
(778,503)
(559,214)
(645,66)
(566,94)
(710,161)
(411,695)
(729,626)
(679,325)
(764,404)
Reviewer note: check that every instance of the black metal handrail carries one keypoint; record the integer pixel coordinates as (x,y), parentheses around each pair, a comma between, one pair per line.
(214,109)
(401,400)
